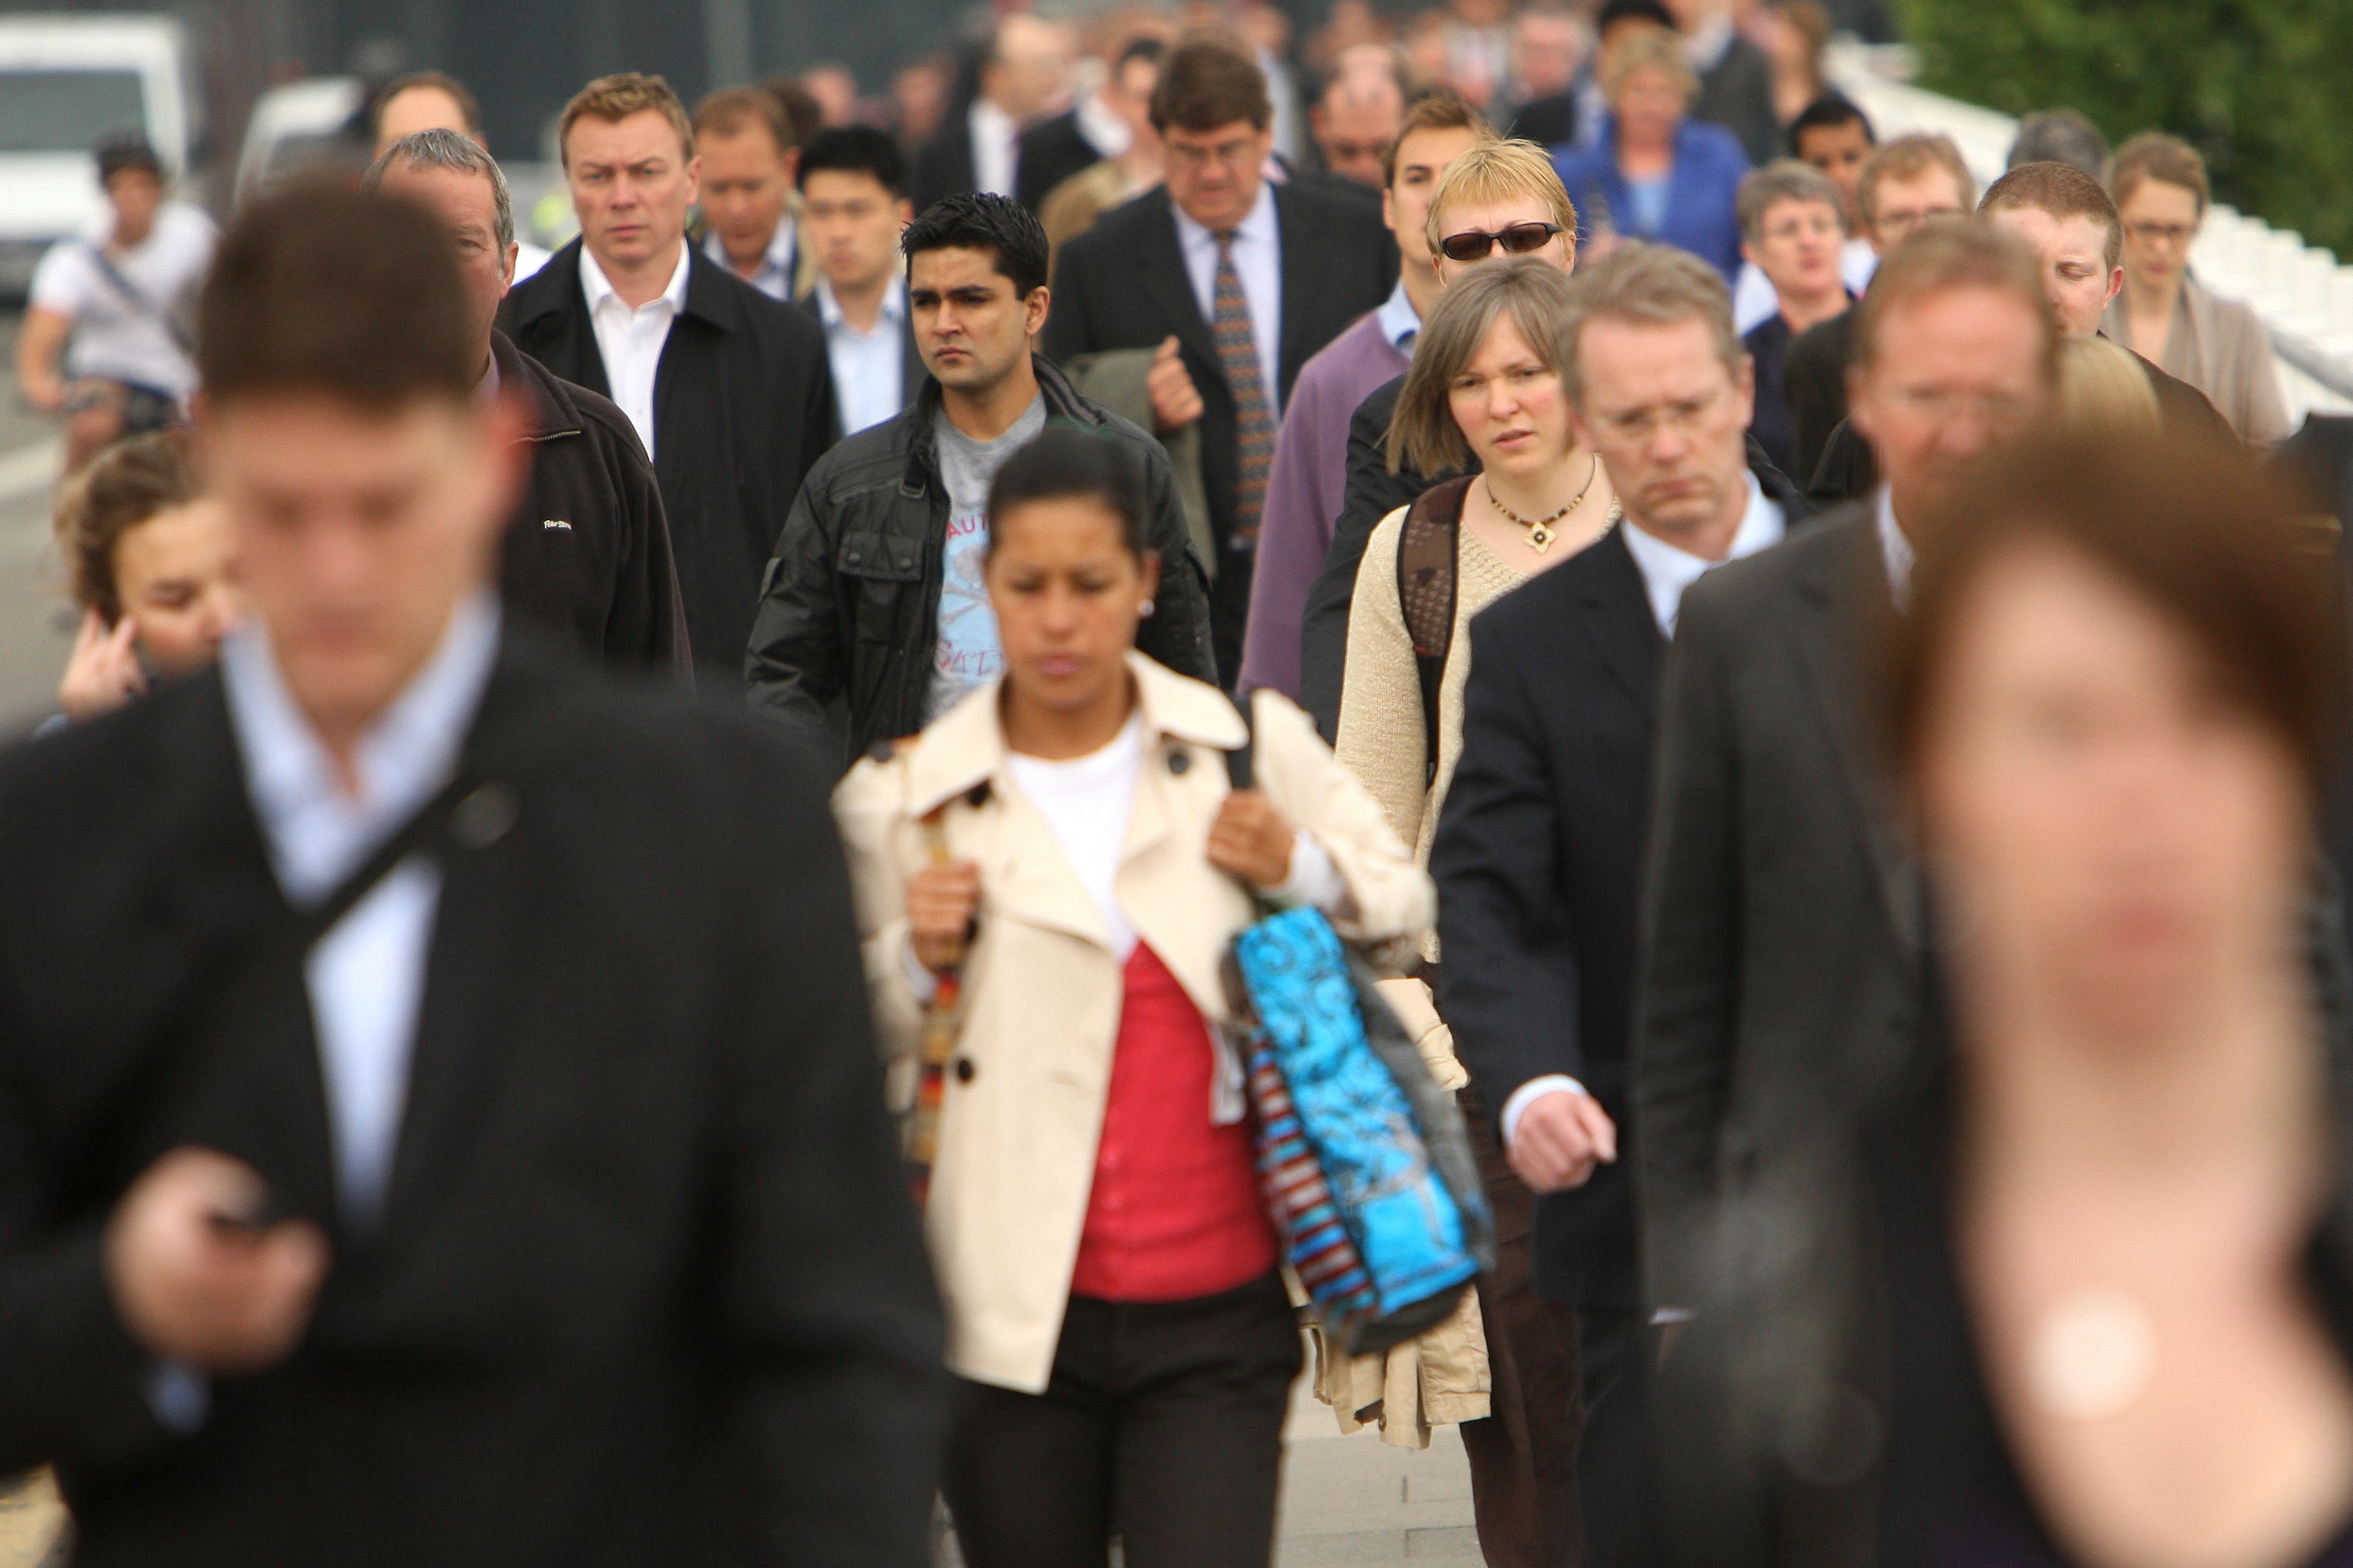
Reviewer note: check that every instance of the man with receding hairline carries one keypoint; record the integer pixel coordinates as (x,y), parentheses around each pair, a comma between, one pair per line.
(434,101)
(730,391)
(440,1121)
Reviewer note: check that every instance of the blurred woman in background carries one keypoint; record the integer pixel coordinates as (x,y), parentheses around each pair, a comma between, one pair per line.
(1654,172)
(2165,315)
(153,568)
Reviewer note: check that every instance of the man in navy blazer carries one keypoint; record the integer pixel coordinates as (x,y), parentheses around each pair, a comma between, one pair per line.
(1539,851)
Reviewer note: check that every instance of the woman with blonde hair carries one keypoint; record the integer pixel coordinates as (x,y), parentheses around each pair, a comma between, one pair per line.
(2103,390)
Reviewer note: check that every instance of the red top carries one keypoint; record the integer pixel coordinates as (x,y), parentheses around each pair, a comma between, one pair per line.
(1175,1211)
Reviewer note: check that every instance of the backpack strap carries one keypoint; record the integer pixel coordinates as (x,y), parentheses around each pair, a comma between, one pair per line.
(1428,550)
(1241,759)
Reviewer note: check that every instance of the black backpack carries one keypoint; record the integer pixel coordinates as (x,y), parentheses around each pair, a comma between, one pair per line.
(1428,552)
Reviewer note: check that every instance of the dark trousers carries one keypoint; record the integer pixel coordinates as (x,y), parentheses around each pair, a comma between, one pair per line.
(1618,1355)
(1523,1486)
(1162,1425)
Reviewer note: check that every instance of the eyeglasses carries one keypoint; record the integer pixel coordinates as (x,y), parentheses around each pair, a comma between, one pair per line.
(2171,233)
(1476,245)
(1942,405)
(1637,428)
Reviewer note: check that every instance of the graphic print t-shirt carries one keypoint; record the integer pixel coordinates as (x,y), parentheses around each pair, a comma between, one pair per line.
(968,653)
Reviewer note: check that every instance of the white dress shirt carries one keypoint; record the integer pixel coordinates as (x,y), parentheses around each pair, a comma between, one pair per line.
(1105,132)
(530,259)
(996,147)
(774,278)
(631,342)
(366,976)
(1400,322)
(1753,301)
(1895,546)
(1666,572)
(1258,262)
(869,368)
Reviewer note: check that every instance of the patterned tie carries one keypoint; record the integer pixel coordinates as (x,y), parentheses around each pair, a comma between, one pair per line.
(1253,415)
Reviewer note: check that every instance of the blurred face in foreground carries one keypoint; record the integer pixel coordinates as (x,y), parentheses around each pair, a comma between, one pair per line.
(1670,420)
(469,208)
(175,575)
(1068,594)
(359,530)
(2117,829)
(1955,371)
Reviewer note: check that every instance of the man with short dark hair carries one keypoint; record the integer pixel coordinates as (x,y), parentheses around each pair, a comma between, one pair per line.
(437,1082)
(875,598)
(749,165)
(588,552)
(729,390)
(854,204)
(1236,282)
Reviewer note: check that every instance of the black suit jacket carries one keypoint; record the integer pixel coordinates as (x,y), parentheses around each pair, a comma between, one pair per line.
(910,361)
(1538,863)
(1781,909)
(1814,383)
(1052,152)
(646,1290)
(1122,285)
(743,407)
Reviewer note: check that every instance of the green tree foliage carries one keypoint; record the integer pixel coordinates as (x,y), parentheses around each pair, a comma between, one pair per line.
(2263,88)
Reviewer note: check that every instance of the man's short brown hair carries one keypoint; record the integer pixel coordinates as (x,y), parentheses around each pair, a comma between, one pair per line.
(469,112)
(2062,191)
(320,288)
(1956,253)
(2152,155)
(1442,108)
(1650,286)
(1907,158)
(733,109)
(1210,80)
(616,98)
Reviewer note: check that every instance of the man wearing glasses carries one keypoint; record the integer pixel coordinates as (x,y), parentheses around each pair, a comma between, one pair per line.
(1233,281)
(1503,199)
(1539,850)
(1782,912)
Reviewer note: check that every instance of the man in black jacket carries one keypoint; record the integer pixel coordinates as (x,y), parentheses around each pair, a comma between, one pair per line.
(439,1113)
(1538,853)
(728,389)
(875,595)
(1288,268)
(588,551)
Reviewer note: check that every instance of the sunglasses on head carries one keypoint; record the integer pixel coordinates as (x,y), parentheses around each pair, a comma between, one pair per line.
(1475,245)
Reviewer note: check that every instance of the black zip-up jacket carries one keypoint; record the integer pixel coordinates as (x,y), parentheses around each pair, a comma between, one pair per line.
(849,607)
(587,555)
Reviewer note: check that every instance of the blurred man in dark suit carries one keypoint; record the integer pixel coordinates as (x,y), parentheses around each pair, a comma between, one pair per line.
(440,1119)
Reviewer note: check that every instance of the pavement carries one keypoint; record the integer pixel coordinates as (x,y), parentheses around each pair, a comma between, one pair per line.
(1347,1502)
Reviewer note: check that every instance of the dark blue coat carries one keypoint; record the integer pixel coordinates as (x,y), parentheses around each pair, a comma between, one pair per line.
(1702,190)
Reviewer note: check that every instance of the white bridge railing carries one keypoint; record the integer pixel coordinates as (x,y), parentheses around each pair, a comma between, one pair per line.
(2299,289)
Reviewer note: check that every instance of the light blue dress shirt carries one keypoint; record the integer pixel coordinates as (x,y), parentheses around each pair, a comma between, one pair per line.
(774,278)
(1667,571)
(868,368)
(1400,322)
(1258,262)
(366,976)
(1895,545)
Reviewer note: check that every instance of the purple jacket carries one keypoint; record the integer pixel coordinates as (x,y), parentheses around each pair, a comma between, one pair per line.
(1304,493)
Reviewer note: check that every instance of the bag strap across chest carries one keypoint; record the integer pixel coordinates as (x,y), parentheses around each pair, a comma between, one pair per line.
(1428,558)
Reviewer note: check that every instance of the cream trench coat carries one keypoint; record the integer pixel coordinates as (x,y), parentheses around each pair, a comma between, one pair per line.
(1025,1092)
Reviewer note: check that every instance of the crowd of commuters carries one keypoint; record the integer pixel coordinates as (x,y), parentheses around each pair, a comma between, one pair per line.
(623,948)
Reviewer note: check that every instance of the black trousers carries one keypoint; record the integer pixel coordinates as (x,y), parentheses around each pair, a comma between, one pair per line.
(1616,1356)
(1162,1425)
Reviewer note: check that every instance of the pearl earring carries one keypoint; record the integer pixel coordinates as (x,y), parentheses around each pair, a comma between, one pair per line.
(1148,609)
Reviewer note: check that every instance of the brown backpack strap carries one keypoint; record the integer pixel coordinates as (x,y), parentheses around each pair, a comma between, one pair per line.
(1428,552)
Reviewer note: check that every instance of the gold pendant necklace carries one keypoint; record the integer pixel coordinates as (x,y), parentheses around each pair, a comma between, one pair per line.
(1541,530)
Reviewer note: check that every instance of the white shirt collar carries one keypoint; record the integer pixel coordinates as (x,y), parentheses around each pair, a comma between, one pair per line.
(317,834)
(1400,322)
(1257,227)
(1668,570)
(1895,547)
(600,289)
(779,257)
(894,305)
(1105,132)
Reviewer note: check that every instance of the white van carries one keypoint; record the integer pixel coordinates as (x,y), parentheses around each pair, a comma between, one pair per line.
(68,82)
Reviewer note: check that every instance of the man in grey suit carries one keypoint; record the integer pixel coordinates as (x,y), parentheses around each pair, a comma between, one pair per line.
(1781,918)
